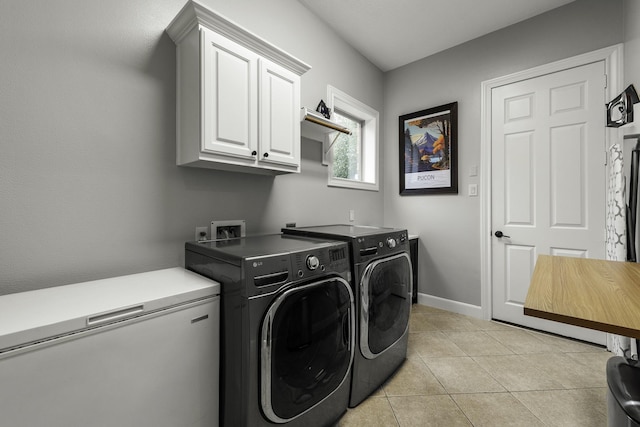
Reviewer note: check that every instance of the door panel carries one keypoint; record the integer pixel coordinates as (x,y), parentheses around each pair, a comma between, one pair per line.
(567,98)
(576,253)
(520,262)
(548,182)
(567,163)
(519,201)
(519,107)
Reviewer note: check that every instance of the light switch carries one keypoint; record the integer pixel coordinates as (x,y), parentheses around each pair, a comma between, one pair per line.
(473,190)
(473,170)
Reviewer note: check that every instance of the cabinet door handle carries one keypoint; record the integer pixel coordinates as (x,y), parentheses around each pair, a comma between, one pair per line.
(266,154)
(254,152)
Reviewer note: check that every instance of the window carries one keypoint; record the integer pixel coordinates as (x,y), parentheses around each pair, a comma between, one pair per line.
(352,159)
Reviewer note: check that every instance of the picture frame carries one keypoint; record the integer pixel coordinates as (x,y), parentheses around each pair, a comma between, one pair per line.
(428,151)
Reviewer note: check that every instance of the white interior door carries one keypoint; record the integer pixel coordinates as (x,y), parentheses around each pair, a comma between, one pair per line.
(548,182)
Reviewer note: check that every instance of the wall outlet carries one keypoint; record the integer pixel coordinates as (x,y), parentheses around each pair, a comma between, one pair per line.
(202,233)
(352,215)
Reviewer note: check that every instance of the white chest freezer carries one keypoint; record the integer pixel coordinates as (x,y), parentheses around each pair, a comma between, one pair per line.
(138,350)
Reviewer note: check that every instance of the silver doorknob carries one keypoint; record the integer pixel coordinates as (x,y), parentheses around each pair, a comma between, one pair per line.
(499,234)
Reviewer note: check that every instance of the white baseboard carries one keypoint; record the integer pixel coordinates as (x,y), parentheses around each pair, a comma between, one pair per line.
(450,305)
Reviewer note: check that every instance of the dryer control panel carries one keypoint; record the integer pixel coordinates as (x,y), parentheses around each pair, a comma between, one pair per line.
(367,247)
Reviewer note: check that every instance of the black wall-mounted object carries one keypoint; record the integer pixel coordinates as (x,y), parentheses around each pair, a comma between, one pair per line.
(620,109)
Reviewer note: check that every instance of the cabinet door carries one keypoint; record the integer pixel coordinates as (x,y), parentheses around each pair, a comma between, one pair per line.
(279,115)
(230,97)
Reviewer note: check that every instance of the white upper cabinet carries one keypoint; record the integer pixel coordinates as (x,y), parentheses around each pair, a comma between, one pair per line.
(238,96)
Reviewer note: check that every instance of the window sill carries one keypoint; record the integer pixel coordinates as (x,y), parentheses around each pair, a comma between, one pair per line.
(353,185)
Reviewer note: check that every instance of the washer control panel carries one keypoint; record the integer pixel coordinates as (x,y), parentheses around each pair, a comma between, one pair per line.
(274,271)
(313,263)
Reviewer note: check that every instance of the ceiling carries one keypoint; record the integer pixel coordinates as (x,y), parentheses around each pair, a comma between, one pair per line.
(392,33)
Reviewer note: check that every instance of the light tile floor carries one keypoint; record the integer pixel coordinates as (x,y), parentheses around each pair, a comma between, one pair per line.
(462,371)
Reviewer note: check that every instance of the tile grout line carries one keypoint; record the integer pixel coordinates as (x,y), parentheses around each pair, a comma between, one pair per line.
(528,409)
(461,410)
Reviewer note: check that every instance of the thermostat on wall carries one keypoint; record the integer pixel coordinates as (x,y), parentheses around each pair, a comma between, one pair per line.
(228,229)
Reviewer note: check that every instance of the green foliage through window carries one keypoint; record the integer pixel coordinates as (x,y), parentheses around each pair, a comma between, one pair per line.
(347,150)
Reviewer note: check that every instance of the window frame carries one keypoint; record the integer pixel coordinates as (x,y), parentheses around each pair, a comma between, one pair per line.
(370,146)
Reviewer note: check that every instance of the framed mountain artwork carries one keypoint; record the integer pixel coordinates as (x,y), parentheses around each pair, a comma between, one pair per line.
(429,151)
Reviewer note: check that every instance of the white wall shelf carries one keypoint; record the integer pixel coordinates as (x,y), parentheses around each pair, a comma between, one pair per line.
(315,126)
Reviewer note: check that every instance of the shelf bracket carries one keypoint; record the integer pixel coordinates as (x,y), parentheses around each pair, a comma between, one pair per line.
(332,142)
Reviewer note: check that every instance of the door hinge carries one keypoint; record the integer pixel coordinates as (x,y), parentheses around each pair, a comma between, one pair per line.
(606,81)
(606,158)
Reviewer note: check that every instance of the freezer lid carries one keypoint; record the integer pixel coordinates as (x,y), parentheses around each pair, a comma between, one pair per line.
(36,315)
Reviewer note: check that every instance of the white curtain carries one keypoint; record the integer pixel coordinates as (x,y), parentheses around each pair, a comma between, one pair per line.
(617,238)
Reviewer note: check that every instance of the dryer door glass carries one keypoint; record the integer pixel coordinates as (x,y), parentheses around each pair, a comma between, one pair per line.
(307,347)
(386,301)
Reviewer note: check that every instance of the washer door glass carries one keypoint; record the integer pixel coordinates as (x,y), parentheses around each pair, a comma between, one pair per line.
(385,292)
(307,347)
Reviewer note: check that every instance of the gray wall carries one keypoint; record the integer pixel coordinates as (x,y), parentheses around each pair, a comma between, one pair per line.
(448,225)
(88,183)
